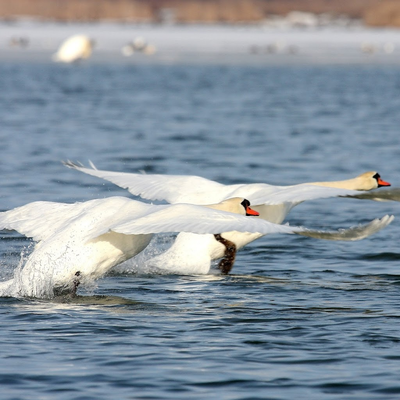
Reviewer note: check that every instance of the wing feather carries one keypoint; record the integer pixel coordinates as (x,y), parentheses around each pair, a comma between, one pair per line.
(202,220)
(392,194)
(39,219)
(197,219)
(198,190)
(358,232)
(171,188)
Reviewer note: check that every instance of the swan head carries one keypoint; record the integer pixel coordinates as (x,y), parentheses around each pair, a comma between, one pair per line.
(369,180)
(237,205)
(249,211)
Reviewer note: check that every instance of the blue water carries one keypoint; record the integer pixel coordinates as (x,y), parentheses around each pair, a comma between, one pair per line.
(296,319)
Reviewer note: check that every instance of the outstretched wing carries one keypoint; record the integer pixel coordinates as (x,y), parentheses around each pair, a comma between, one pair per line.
(392,194)
(358,232)
(202,220)
(196,219)
(171,188)
(38,220)
(42,219)
(198,190)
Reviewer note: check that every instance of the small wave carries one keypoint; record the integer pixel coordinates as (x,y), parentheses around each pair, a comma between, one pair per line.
(385,256)
(101,300)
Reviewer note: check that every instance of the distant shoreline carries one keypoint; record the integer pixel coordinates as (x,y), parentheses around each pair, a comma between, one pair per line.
(34,41)
(371,12)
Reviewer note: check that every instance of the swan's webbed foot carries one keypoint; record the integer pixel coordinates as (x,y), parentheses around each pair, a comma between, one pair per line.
(226,264)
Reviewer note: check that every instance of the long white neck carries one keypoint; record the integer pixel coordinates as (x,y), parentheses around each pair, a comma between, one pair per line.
(358,183)
(351,184)
(366,181)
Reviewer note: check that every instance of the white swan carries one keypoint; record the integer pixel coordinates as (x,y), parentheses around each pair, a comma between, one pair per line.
(272,202)
(77,47)
(191,253)
(83,241)
(80,242)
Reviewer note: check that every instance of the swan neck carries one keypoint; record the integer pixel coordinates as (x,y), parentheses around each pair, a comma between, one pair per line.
(358,183)
(350,184)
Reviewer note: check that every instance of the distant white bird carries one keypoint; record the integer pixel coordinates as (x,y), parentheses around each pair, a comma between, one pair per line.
(127,50)
(138,45)
(80,242)
(389,47)
(150,49)
(192,253)
(77,47)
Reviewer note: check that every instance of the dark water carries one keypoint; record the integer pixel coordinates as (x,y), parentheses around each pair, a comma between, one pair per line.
(297,318)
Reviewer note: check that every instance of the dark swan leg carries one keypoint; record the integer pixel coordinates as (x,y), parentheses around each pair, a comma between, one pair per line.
(226,264)
(68,291)
(76,282)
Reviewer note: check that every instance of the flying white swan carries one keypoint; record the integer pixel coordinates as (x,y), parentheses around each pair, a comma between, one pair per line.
(78,243)
(191,253)
(83,241)
(272,202)
(74,48)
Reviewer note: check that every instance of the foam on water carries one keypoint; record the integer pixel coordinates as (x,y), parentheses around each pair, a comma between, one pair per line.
(36,283)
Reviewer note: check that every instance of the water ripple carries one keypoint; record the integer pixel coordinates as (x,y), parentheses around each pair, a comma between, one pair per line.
(296,319)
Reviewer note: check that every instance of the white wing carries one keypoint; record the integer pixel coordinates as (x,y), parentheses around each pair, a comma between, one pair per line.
(201,220)
(42,219)
(196,219)
(392,194)
(91,219)
(197,190)
(354,233)
(37,220)
(171,188)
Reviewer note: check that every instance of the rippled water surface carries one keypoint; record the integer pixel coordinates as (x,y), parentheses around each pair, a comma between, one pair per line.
(297,318)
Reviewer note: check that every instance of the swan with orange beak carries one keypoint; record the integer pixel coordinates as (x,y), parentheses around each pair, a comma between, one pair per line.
(192,254)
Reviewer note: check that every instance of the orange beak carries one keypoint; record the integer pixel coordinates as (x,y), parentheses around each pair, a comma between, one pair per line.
(382,183)
(250,211)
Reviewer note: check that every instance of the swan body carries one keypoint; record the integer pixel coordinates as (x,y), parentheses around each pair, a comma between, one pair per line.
(197,190)
(273,203)
(77,47)
(193,254)
(78,243)
(87,239)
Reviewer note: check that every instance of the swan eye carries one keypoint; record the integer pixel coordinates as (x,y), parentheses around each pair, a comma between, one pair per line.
(376,176)
(245,203)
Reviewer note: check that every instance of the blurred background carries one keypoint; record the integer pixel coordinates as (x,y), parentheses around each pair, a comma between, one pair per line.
(370,12)
(298,87)
(322,31)
(238,91)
